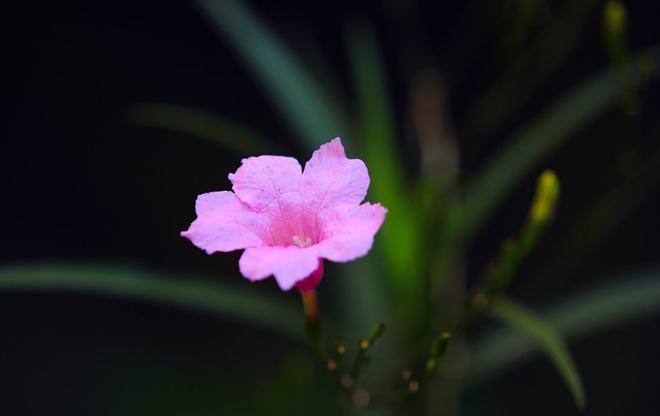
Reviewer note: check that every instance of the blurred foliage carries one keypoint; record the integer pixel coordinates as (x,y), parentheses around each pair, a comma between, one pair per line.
(548,340)
(515,250)
(541,137)
(226,133)
(624,299)
(414,281)
(281,72)
(545,49)
(614,31)
(197,294)
(401,233)
(590,228)
(153,386)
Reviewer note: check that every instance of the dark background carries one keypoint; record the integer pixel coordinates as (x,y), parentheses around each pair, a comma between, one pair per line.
(80,181)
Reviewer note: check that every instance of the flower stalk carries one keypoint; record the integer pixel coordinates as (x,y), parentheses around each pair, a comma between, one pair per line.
(311,306)
(312,312)
(515,250)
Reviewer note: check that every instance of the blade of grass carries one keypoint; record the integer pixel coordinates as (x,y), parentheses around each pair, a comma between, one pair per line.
(186,292)
(223,132)
(546,339)
(400,235)
(629,298)
(543,136)
(280,71)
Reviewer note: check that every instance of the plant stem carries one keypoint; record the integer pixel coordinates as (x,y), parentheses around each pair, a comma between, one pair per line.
(311,308)
(311,305)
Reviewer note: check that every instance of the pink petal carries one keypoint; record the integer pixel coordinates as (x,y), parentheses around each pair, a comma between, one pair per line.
(264,182)
(331,179)
(288,264)
(224,223)
(348,231)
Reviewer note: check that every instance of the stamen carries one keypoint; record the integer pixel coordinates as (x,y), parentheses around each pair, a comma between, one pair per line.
(300,242)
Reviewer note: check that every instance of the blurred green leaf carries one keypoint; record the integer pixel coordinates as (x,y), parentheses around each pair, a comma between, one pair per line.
(193,293)
(279,70)
(541,137)
(226,133)
(630,297)
(546,338)
(363,300)
(400,235)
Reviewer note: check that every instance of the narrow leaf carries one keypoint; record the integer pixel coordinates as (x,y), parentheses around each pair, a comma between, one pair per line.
(226,133)
(546,338)
(628,298)
(400,235)
(186,292)
(295,91)
(542,137)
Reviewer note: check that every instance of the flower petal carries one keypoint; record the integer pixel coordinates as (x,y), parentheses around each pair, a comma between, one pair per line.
(330,179)
(224,223)
(288,264)
(263,182)
(348,231)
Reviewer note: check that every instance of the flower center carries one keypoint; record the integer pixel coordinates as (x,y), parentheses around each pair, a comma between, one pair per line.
(301,242)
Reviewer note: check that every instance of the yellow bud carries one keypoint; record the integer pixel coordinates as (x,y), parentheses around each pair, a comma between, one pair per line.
(545,199)
(614,23)
(614,18)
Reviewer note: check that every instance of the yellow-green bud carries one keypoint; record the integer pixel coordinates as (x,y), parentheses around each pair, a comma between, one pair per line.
(614,18)
(545,199)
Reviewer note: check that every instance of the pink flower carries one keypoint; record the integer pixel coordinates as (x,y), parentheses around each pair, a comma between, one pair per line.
(288,219)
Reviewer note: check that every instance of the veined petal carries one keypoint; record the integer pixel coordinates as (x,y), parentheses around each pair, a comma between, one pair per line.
(330,179)
(348,231)
(266,182)
(224,223)
(289,264)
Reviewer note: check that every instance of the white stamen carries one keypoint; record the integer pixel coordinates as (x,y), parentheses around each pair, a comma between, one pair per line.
(300,242)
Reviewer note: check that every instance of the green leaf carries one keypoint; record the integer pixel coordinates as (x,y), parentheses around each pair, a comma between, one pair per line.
(400,235)
(295,91)
(226,133)
(546,338)
(628,298)
(542,137)
(192,293)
